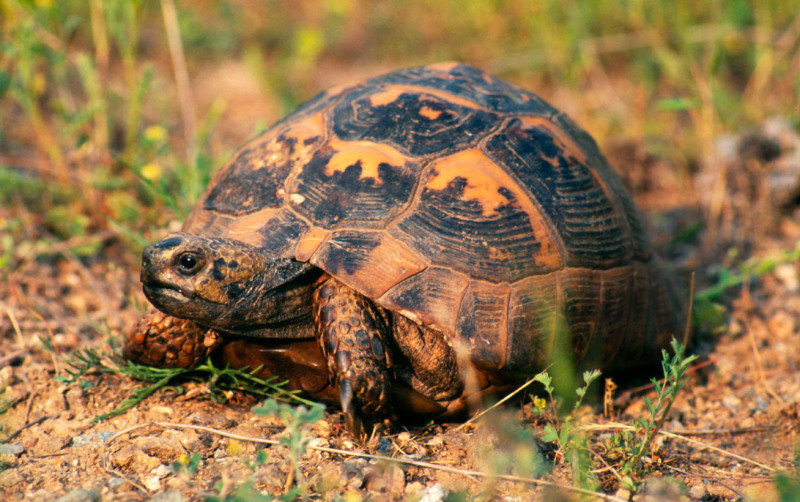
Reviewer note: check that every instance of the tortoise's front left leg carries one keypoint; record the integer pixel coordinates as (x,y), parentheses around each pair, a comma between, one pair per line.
(160,340)
(353,333)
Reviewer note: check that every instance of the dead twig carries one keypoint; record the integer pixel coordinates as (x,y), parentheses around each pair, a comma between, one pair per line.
(31,424)
(730,432)
(15,324)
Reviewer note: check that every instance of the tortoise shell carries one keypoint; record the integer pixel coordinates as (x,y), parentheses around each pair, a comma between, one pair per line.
(461,202)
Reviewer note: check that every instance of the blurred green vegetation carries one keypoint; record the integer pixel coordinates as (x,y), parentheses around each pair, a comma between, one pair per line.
(93,137)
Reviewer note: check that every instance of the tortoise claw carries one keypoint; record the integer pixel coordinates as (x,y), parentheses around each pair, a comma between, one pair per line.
(346,395)
(354,422)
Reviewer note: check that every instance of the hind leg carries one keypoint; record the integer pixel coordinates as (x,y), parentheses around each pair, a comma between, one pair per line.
(432,367)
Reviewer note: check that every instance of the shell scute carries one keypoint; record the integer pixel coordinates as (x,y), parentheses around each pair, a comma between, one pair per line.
(415,121)
(589,228)
(354,184)
(256,176)
(473,217)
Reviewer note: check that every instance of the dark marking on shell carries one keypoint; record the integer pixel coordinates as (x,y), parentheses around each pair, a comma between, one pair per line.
(280,234)
(347,197)
(405,123)
(241,188)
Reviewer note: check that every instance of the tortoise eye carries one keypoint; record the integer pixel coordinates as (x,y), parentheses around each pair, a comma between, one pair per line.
(188,263)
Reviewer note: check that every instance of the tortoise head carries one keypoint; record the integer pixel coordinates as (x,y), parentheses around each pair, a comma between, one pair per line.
(225,284)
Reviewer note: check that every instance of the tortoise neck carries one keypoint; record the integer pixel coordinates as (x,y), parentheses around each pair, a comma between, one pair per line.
(277,303)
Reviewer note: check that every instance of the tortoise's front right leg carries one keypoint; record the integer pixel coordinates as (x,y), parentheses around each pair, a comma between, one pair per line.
(158,339)
(352,332)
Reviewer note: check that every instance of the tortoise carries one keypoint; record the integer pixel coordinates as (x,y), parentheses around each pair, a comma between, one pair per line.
(405,244)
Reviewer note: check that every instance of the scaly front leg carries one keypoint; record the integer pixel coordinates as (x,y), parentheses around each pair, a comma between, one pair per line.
(352,332)
(158,339)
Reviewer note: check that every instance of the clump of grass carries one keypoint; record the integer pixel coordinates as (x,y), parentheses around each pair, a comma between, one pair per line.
(220,381)
(623,451)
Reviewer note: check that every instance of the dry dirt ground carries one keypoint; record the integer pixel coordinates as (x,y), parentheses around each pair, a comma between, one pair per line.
(735,421)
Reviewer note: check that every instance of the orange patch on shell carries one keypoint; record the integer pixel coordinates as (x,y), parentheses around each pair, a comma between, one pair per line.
(429,113)
(384,266)
(485,182)
(370,155)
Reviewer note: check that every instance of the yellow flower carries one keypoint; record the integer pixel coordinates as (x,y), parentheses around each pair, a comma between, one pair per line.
(539,402)
(155,134)
(151,172)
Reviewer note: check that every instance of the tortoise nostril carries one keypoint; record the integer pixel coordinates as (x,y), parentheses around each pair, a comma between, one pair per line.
(147,257)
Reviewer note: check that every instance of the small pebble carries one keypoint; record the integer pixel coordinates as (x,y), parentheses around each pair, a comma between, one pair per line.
(697,491)
(9,477)
(731,402)
(384,445)
(15,449)
(435,493)
(153,483)
(95,438)
(787,274)
(115,482)
(623,494)
(162,471)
